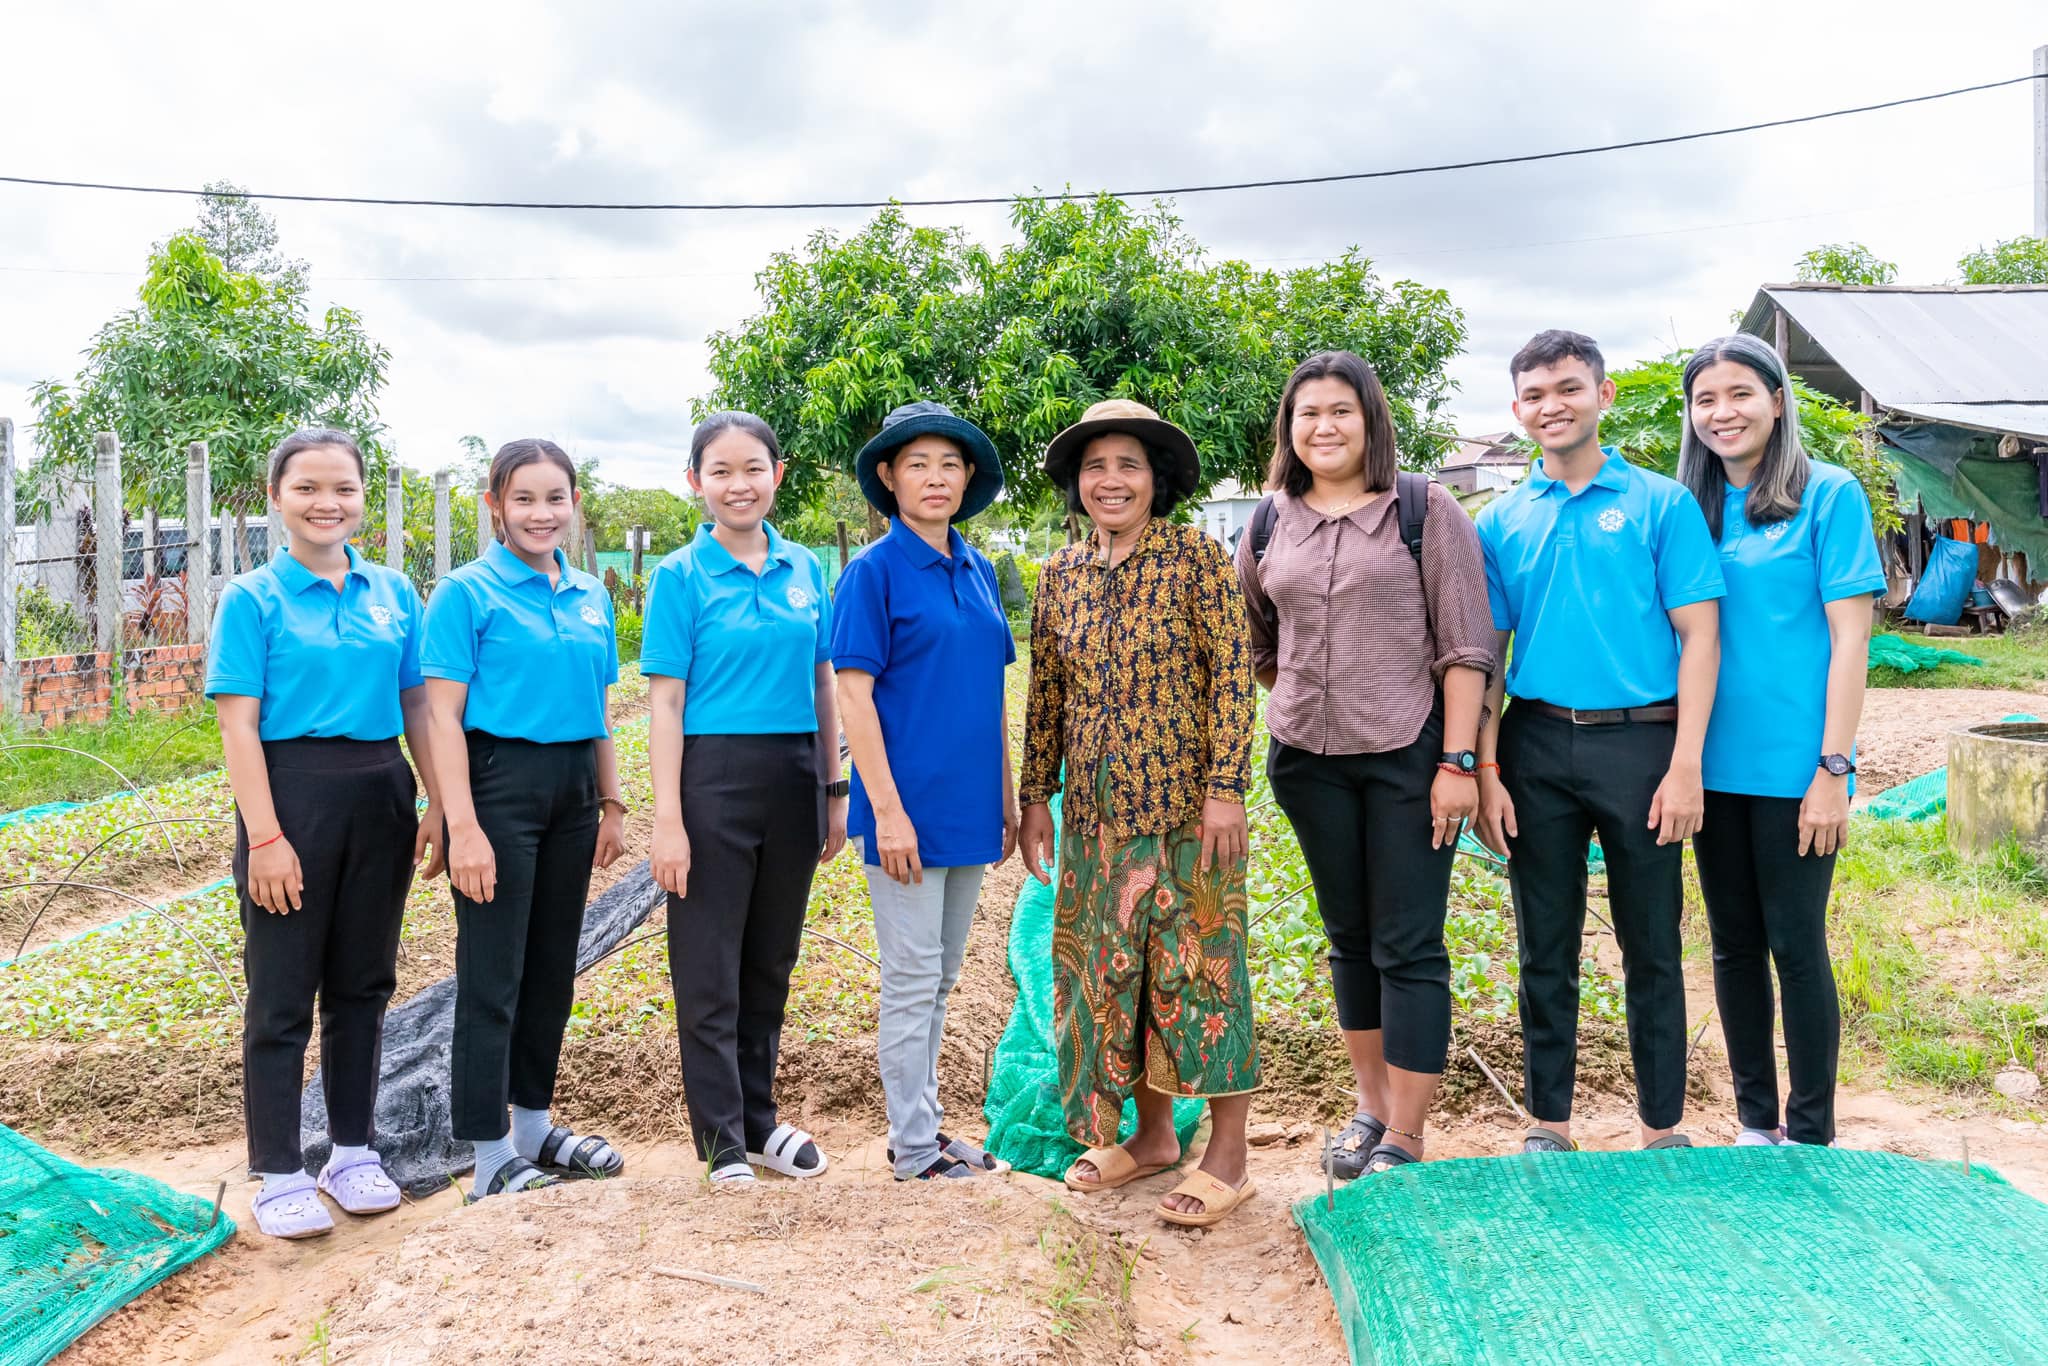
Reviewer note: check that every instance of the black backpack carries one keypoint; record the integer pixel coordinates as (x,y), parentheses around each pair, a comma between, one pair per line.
(1411,505)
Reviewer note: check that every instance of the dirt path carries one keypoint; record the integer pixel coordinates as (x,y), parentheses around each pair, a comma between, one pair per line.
(1905,730)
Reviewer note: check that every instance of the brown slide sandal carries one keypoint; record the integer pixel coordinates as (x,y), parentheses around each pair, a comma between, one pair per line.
(1113,1167)
(1218,1199)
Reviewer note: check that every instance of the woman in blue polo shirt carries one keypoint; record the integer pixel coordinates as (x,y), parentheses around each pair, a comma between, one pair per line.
(519,655)
(920,642)
(314,670)
(1801,565)
(744,745)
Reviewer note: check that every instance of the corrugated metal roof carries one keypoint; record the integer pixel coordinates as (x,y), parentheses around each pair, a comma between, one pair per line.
(1975,356)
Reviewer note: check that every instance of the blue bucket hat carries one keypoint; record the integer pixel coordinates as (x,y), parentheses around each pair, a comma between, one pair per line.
(926,418)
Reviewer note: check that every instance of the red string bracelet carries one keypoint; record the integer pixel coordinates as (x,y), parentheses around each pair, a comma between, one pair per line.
(267,843)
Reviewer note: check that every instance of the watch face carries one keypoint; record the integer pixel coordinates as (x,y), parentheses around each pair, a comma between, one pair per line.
(1465,759)
(1836,764)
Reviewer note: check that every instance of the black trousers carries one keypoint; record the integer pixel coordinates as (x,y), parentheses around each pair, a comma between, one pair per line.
(1767,905)
(515,955)
(755,813)
(1568,782)
(346,807)
(1364,825)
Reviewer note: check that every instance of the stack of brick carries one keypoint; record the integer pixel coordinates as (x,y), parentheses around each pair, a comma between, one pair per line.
(163,677)
(59,690)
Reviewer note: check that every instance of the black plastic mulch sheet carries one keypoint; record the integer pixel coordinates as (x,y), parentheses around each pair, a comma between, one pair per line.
(412,1130)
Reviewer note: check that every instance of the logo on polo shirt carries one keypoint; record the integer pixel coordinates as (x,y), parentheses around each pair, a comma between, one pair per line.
(592,615)
(800,597)
(1611,520)
(380,614)
(1775,531)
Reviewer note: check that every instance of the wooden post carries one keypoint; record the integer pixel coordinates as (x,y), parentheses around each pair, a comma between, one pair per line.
(394,518)
(273,524)
(108,539)
(1781,337)
(10,676)
(443,549)
(483,516)
(198,557)
(843,545)
(1869,410)
(589,560)
(639,538)
(151,558)
(1073,528)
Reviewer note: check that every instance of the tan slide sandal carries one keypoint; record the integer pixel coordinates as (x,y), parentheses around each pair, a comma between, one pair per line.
(1218,1199)
(1113,1167)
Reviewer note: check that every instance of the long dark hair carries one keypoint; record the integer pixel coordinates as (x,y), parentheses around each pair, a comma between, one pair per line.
(1382,461)
(1780,481)
(516,455)
(716,425)
(305,439)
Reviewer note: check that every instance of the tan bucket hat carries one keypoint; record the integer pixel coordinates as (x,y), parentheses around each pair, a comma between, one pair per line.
(1063,453)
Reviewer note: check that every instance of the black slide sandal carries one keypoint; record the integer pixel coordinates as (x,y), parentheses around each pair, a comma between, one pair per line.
(579,1164)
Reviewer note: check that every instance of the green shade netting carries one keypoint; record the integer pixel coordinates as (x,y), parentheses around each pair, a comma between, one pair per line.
(1735,1255)
(1888,651)
(1026,1126)
(77,1243)
(1917,799)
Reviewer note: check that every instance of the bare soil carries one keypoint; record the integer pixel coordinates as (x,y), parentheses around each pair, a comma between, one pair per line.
(1905,730)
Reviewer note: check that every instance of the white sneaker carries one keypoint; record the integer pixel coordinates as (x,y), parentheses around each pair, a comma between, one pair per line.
(1761,1138)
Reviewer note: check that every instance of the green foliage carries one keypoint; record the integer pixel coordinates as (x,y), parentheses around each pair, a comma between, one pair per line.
(613,511)
(832,498)
(209,354)
(2021,261)
(44,625)
(244,237)
(1095,299)
(629,625)
(1846,263)
(1649,414)
(148,746)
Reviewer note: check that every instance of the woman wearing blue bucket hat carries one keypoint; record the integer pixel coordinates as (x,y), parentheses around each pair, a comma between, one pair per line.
(920,643)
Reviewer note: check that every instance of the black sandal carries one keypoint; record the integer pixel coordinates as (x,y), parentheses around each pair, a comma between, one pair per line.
(1387,1156)
(1351,1149)
(580,1164)
(518,1176)
(1542,1140)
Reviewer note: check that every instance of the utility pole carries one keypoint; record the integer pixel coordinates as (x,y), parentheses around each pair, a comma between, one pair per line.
(2041,141)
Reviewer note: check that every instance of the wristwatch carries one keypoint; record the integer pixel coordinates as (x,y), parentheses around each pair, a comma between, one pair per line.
(838,789)
(1459,760)
(1837,764)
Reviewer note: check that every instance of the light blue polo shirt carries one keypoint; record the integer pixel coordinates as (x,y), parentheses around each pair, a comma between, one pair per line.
(1584,580)
(931,630)
(1770,709)
(327,664)
(537,656)
(748,645)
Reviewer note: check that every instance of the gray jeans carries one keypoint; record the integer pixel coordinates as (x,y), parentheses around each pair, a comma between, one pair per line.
(921,930)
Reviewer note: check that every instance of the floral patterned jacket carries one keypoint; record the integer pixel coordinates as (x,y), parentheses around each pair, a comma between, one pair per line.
(1147,665)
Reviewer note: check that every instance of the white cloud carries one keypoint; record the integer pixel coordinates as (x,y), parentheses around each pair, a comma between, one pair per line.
(831,100)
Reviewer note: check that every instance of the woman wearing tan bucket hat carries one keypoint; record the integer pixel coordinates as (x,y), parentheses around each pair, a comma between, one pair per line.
(1142,692)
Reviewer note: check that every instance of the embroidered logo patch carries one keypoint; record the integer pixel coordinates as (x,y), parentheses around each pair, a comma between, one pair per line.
(1775,531)
(380,614)
(592,615)
(800,597)
(1611,520)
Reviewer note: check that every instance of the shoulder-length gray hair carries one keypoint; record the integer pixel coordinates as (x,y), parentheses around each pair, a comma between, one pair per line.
(1780,476)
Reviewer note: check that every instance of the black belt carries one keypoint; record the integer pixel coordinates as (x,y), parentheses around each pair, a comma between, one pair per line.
(1609,716)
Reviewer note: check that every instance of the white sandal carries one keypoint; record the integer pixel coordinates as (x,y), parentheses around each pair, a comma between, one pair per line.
(733,1174)
(792,1152)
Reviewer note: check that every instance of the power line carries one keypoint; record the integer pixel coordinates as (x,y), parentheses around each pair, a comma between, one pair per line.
(965,200)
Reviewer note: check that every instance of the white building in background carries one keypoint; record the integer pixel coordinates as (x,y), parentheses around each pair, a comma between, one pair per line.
(1227,511)
(1483,464)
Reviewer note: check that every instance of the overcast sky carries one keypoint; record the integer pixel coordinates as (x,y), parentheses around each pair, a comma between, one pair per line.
(696,101)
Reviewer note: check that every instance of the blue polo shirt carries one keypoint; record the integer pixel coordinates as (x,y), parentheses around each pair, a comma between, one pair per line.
(748,645)
(537,656)
(1771,706)
(931,630)
(1584,581)
(328,664)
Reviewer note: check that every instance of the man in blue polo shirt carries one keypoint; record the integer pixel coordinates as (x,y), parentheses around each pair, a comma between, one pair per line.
(920,643)
(1607,583)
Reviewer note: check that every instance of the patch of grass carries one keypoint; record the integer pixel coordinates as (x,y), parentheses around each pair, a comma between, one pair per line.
(2016,661)
(149,747)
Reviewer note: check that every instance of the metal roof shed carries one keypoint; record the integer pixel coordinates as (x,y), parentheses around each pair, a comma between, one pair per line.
(1957,377)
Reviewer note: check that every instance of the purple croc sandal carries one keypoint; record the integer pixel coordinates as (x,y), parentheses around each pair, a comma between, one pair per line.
(294,1213)
(361,1187)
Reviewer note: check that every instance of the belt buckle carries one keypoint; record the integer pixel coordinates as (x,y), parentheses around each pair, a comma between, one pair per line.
(1607,716)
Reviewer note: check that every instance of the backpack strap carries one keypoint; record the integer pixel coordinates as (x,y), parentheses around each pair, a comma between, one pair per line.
(1411,502)
(1263,517)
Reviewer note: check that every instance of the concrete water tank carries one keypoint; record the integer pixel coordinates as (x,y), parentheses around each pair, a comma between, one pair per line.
(1998,786)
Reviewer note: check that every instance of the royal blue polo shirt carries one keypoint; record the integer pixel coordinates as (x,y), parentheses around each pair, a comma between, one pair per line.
(326,663)
(931,630)
(1770,710)
(747,645)
(1584,580)
(537,656)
